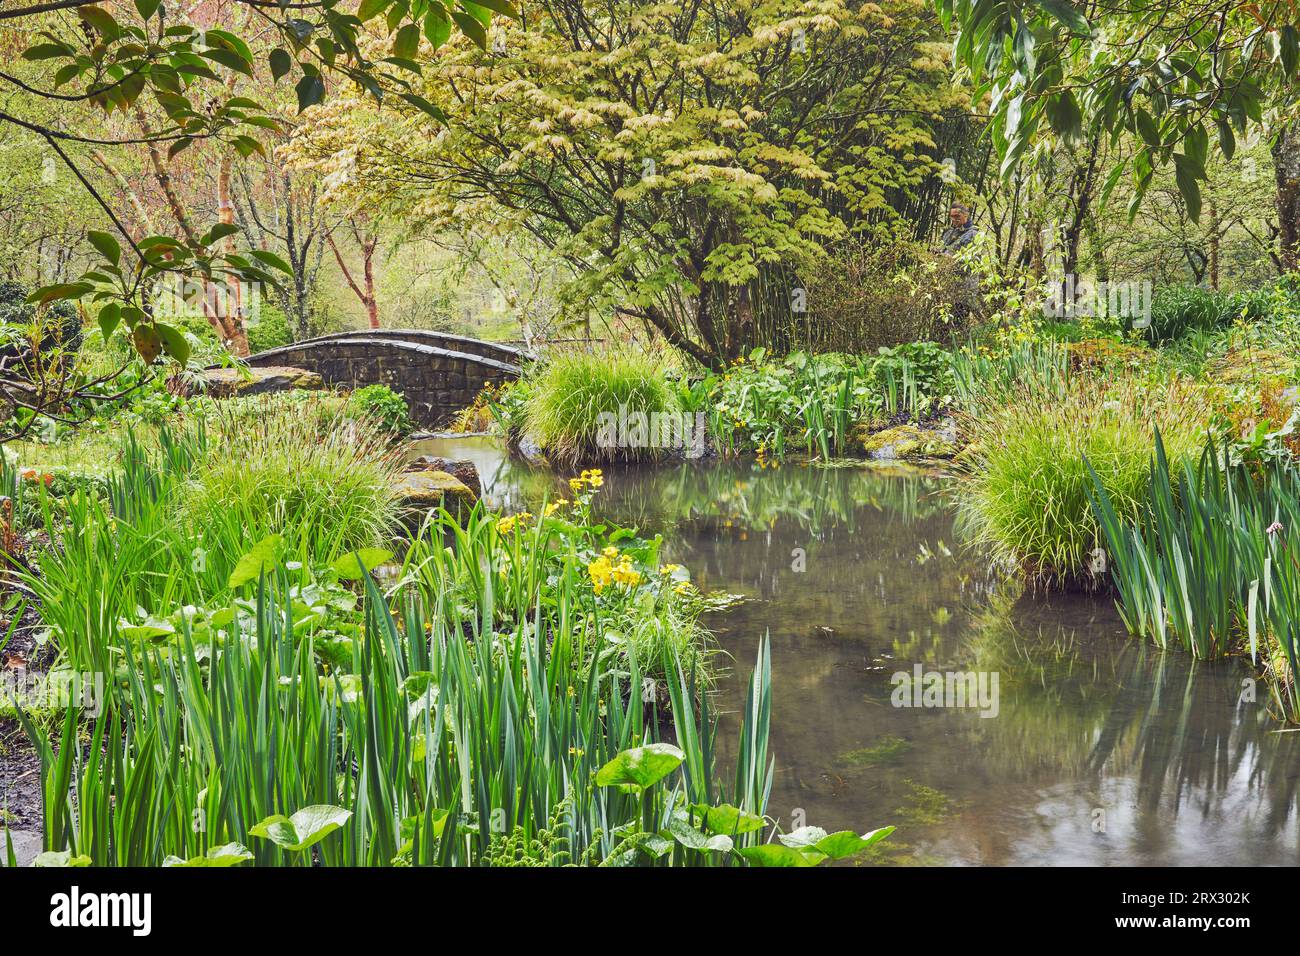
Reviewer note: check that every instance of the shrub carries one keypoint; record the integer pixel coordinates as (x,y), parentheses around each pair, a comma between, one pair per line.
(865,296)
(1187,309)
(573,392)
(383,406)
(270,331)
(21,322)
(1027,497)
(322,480)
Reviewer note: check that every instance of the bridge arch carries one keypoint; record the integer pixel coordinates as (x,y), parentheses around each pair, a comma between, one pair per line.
(438,373)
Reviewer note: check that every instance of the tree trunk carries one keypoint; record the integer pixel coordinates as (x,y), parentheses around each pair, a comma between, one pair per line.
(1286,166)
(365,289)
(1212,242)
(232,302)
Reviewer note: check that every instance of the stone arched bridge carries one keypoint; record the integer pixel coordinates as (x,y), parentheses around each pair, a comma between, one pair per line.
(439,374)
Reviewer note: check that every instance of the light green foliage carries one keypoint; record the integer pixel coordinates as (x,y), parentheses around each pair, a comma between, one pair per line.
(387,750)
(768,130)
(324,482)
(1173,80)
(271,330)
(811,403)
(184,509)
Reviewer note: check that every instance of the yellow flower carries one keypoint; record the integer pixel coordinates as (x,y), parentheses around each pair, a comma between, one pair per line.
(610,551)
(670,569)
(626,574)
(682,587)
(600,573)
(555,506)
(506,525)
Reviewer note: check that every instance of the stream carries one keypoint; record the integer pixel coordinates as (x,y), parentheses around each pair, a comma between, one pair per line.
(1090,749)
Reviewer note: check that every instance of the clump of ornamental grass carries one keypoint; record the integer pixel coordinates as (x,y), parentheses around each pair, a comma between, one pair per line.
(302,469)
(1026,497)
(579,400)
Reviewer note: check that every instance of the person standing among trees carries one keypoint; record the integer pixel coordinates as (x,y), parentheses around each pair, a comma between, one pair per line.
(961,232)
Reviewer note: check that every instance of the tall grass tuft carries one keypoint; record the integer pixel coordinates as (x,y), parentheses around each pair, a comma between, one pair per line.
(572,393)
(181,512)
(1027,497)
(304,470)
(1211,561)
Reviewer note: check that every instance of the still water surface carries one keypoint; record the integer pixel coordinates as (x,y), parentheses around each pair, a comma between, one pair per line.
(1103,751)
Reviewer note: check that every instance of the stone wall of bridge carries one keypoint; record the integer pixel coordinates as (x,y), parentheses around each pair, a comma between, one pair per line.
(438,374)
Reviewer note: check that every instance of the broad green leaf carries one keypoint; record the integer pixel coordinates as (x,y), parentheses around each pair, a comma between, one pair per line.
(263,556)
(311,90)
(109,317)
(407,42)
(218,232)
(437,29)
(349,566)
(62,290)
(232,854)
(1188,187)
(146,632)
(640,766)
(778,854)
(100,20)
(304,829)
(421,103)
(471,27)
(1065,13)
(727,819)
(846,843)
(694,839)
(803,837)
(60,858)
(105,245)
(281,63)
(272,260)
(147,342)
(502,7)
(174,343)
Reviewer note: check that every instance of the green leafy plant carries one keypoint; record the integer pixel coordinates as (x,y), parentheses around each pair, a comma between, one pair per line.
(384,407)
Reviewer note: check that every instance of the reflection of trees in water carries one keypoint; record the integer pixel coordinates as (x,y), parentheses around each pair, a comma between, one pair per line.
(1080,701)
(719,494)
(1080,698)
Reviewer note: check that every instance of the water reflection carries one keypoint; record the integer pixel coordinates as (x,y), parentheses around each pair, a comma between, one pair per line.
(1104,751)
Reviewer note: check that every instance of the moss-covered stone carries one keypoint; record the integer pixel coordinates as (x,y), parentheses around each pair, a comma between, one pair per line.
(419,491)
(904,441)
(1248,366)
(236,383)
